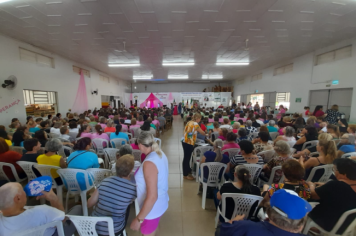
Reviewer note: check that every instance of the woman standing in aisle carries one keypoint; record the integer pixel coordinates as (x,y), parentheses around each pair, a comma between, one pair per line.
(152,186)
(190,135)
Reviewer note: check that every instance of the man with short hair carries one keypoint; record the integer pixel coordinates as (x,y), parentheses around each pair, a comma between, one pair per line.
(114,196)
(64,134)
(16,217)
(286,213)
(32,147)
(226,124)
(162,120)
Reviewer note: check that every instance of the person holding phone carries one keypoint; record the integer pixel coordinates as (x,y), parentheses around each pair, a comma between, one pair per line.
(327,154)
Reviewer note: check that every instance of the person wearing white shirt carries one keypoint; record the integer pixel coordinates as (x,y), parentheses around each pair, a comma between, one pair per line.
(226,124)
(56,128)
(16,218)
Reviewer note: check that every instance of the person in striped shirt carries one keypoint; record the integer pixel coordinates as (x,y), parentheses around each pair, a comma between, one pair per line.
(113,197)
(246,157)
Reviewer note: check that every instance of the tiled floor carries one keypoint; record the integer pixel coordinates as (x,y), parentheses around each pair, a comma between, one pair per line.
(185,215)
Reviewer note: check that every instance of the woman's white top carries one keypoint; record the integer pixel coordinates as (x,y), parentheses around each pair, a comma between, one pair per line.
(55,130)
(75,130)
(161,204)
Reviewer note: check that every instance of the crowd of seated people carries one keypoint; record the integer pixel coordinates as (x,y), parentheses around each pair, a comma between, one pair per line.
(293,153)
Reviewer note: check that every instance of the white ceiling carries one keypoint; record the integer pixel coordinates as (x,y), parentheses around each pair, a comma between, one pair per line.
(204,31)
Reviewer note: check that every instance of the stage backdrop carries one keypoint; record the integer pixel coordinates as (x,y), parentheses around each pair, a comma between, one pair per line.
(209,99)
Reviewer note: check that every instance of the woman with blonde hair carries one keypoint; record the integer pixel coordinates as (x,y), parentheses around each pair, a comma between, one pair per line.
(327,154)
(333,130)
(110,127)
(152,186)
(190,135)
(307,151)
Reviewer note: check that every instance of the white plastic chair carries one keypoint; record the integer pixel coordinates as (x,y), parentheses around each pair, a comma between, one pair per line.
(255,170)
(69,177)
(62,153)
(73,135)
(27,167)
(310,144)
(40,230)
(273,135)
(198,152)
(53,135)
(98,174)
(85,225)
(13,170)
(133,140)
(253,135)
(273,173)
(213,178)
(45,170)
(266,155)
(243,204)
(118,142)
(137,155)
(17,149)
(98,145)
(63,140)
(348,155)
(134,131)
(328,171)
(232,151)
(216,135)
(350,230)
(292,150)
(159,142)
(110,156)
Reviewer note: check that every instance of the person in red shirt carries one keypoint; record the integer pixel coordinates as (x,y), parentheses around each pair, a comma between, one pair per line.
(318,112)
(221,106)
(10,157)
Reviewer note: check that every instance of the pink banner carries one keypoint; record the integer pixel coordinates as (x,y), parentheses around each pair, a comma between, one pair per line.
(81,100)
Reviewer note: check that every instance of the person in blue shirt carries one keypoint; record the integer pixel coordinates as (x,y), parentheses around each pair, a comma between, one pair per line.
(119,134)
(271,127)
(83,159)
(286,213)
(32,127)
(345,146)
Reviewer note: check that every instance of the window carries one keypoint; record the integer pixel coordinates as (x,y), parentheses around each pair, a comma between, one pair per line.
(238,99)
(240,82)
(36,58)
(77,69)
(39,97)
(283,99)
(104,78)
(335,55)
(256,77)
(283,69)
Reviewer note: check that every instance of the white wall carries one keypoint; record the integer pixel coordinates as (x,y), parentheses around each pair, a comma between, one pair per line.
(60,79)
(174,87)
(305,77)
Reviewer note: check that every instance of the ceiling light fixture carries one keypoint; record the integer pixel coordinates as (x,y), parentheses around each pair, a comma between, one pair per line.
(178,77)
(212,77)
(232,63)
(143,77)
(123,64)
(178,64)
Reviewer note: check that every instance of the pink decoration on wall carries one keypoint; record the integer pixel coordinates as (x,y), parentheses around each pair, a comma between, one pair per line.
(170,97)
(151,102)
(130,96)
(81,100)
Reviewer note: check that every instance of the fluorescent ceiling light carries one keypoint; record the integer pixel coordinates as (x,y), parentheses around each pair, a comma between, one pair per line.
(2,1)
(232,63)
(123,65)
(143,77)
(199,81)
(178,77)
(212,77)
(178,64)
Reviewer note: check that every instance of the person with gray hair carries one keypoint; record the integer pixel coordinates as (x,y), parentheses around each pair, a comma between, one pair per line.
(152,186)
(284,219)
(236,127)
(250,129)
(283,154)
(51,158)
(271,127)
(124,150)
(56,128)
(162,120)
(288,136)
(15,218)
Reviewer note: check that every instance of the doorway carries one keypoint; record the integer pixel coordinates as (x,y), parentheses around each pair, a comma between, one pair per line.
(329,97)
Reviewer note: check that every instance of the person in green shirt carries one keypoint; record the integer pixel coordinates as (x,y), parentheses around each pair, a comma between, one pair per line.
(92,122)
(150,120)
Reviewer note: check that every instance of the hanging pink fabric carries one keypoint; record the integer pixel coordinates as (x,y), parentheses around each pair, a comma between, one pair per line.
(170,98)
(81,100)
(151,102)
(130,96)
